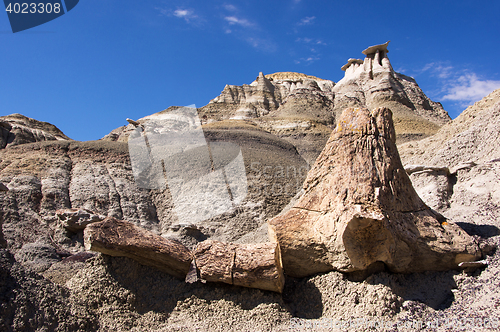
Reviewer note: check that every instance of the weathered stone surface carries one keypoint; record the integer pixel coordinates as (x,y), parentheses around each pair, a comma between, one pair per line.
(375,48)
(18,129)
(249,265)
(97,176)
(373,83)
(37,256)
(470,138)
(3,244)
(359,208)
(120,238)
(433,185)
(75,220)
(350,62)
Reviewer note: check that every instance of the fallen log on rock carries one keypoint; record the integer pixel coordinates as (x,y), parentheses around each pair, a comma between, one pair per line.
(359,208)
(121,238)
(248,265)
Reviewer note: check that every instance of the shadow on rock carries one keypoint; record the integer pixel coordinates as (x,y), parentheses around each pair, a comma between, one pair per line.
(153,290)
(434,289)
(302,298)
(484,231)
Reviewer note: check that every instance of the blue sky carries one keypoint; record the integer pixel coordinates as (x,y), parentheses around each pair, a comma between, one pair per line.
(108,60)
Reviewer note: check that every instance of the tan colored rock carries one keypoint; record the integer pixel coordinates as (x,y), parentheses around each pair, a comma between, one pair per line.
(350,62)
(359,208)
(75,220)
(120,238)
(248,265)
(375,48)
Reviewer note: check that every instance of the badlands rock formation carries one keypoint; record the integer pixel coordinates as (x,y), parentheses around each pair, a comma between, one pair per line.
(373,83)
(44,177)
(303,109)
(17,129)
(48,281)
(359,209)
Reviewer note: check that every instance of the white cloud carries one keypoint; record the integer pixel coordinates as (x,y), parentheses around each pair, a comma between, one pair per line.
(262,44)
(439,69)
(460,85)
(240,21)
(310,41)
(186,14)
(469,88)
(231,8)
(307,20)
(307,60)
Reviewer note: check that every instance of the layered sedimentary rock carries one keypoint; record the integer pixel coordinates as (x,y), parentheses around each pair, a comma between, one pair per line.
(18,129)
(469,148)
(51,175)
(120,238)
(359,208)
(373,83)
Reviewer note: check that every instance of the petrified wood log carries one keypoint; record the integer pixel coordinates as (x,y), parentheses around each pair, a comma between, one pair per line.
(359,208)
(120,238)
(249,265)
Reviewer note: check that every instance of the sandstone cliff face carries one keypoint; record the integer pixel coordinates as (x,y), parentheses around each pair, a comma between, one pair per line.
(18,129)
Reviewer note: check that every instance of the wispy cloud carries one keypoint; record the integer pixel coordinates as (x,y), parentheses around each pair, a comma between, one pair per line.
(308,20)
(307,60)
(439,69)
(232,20)
(469,88)
(460,85)
(230,7)
(311,41)
(263,44)
(186,14)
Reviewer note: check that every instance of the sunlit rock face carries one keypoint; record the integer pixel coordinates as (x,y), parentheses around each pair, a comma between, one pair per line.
(359,209)
(373,83)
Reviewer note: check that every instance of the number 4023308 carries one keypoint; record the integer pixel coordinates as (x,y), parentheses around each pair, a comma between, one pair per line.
(33,8)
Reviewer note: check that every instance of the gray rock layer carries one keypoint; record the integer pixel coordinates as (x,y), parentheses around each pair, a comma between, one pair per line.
(18,129)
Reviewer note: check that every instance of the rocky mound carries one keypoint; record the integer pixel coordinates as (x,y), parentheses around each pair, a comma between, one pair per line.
(18,129)
(46,176)
(303,109)
(81,294)
(373,83)
(51,283)
(472,136)
(288,75)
